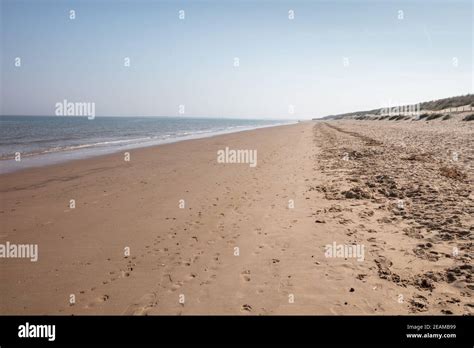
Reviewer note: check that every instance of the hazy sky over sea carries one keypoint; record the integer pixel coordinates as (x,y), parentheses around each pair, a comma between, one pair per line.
(285,64)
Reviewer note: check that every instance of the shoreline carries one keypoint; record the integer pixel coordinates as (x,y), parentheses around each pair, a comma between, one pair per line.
(8,166)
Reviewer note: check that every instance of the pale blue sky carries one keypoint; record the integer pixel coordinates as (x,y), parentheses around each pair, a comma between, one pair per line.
(283,62)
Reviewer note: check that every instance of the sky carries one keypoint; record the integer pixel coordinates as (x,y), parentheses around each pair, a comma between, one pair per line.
(330,57)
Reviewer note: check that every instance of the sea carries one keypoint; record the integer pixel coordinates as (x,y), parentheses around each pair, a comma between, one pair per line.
(31,141)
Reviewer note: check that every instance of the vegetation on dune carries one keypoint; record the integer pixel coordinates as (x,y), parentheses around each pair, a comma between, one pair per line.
(434,105)
(452,102)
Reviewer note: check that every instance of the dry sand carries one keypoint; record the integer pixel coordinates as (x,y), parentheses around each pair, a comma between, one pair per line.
(346,179)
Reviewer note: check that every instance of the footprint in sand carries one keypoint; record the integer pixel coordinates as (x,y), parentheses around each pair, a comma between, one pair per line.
(176,285)
(98,300)
(143,306)
(245,275)
(190,276)
(246,308)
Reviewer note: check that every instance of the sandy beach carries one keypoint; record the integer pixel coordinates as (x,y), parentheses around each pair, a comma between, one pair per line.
(172,231)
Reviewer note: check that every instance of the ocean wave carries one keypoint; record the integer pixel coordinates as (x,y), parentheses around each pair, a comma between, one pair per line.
(79,147)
